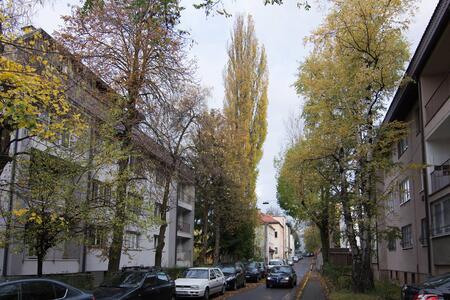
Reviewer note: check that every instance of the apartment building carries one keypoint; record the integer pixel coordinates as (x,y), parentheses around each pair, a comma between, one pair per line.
(266,244)
(86,92)
(418,196)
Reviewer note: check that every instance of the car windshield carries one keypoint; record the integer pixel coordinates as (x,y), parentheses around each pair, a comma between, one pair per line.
(275,262)
(196,273)
(281,269)
(125,280)
(228,270)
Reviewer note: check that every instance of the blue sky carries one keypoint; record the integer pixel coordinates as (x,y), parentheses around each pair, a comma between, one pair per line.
(281,29)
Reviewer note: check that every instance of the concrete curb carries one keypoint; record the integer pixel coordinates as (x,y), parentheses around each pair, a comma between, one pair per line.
(249,287)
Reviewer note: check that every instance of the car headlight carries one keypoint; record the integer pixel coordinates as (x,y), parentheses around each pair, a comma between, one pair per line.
(286,278)
(269,278)
(195,287)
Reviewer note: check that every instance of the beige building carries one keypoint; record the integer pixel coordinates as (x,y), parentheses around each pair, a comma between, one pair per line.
(418,198)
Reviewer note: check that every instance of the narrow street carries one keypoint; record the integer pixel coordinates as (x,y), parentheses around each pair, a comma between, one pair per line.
(263,293)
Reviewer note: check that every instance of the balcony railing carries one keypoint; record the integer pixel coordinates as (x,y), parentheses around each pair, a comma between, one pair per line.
(184,255)
(440,177)
(184,227)
(439,97)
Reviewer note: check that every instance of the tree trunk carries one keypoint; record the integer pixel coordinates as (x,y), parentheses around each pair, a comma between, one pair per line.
(163,227)
(5,138)
(325,241)
(115,250)
(217,243)
(205,229)
(40,261)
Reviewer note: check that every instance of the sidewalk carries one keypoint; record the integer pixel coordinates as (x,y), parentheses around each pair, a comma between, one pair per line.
(313,289)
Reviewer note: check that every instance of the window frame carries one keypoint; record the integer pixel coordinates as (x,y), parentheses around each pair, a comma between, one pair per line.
(402,146)
(133,244)
(444,229)
(405,190)
(407,233)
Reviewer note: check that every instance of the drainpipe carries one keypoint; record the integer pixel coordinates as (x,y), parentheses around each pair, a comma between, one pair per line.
(266,250)
(10,205)
(424,176)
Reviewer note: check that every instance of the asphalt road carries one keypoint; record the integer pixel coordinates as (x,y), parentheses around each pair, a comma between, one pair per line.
(263,293)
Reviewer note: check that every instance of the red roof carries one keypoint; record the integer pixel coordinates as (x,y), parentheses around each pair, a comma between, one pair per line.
(268,219)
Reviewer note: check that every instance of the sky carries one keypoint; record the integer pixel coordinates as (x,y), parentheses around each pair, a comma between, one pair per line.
(281,29)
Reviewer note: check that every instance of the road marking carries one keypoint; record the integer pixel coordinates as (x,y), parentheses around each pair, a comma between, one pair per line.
(299,295)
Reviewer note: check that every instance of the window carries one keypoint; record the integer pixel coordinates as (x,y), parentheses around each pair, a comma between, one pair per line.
(101,192)
(423,232)
(276,250)
(131,240)
(407,236)
(405,191)
(162,278)
(402,146)
(390,202)
(9,292)
(440,216)
(60,291)
(276,234)
(37,290)
(392,244)
(96,236)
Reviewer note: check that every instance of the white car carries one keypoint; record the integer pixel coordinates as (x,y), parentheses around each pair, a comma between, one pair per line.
(200,282)
(275,262)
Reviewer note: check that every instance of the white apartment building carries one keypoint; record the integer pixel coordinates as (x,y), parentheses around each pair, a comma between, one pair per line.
(139,245)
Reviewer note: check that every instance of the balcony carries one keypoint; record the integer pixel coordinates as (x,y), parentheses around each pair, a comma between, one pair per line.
(184,227)
(438,98)
(184,258)
(440,177)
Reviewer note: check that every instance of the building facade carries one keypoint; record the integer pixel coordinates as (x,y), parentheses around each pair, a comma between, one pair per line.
(418,197)
(85,93)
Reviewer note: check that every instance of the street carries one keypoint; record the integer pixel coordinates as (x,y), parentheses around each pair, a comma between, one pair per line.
(263,293)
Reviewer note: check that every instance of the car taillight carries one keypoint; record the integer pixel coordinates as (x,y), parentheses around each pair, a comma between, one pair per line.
(428,297)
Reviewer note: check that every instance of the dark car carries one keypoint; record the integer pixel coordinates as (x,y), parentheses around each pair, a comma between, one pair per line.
(252,272)
(281,276)
(234,275)
(137,283)
(40,289)
(437,286)
(262,268)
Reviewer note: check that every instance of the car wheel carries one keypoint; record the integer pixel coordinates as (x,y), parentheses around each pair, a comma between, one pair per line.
(206,295)
(267,286)
(244,282)
(235,285)
(173,297)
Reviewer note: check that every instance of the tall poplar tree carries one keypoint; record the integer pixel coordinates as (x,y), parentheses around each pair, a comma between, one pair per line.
(245,110)
(246,83)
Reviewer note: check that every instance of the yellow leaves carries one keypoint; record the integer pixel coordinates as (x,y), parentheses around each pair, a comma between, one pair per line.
(20,212)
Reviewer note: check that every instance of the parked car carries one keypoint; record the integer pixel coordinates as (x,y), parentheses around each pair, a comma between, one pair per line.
(40,289)
(252,272)
(200,282)
(437,286)
(281,276)
(262,268)
(274,262)
(137,283)
(234,275)
(295,259)
(290,262)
